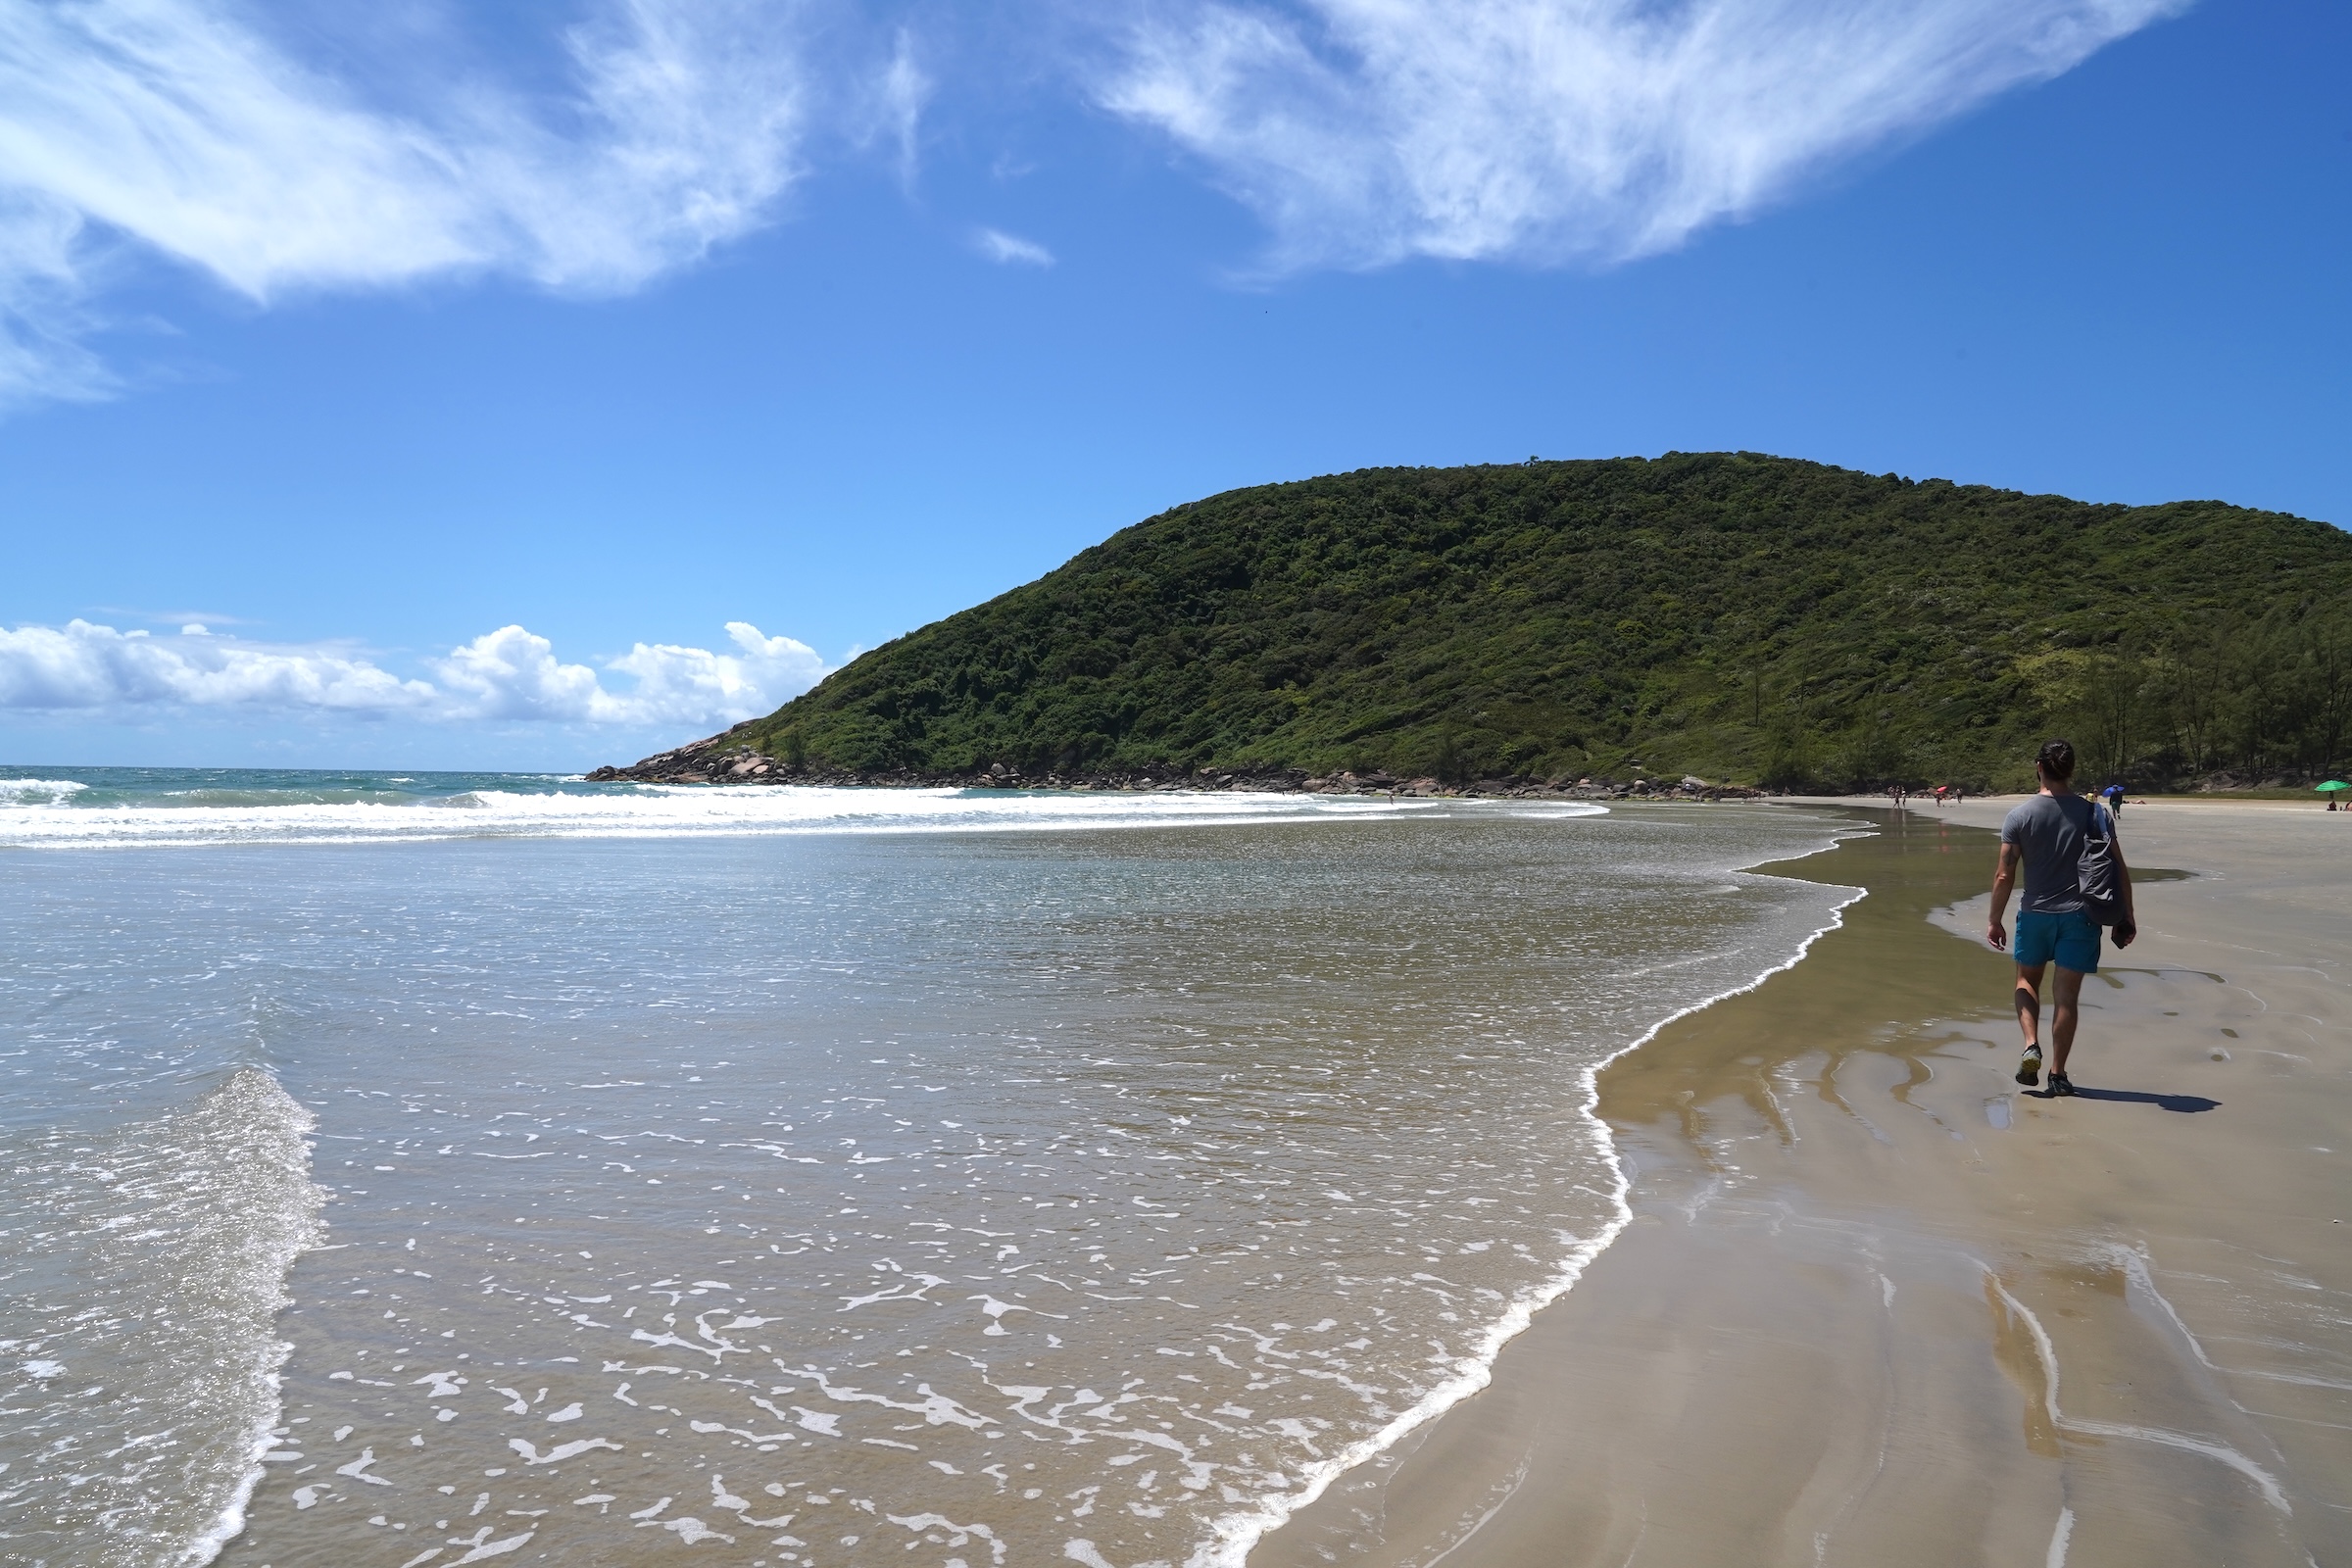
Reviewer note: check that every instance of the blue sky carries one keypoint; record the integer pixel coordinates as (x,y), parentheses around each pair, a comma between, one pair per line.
(467,386)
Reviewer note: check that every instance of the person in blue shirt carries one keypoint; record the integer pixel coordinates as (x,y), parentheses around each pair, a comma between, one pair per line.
(2046,835)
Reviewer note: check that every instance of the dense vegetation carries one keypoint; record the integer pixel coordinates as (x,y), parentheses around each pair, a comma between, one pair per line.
(1726,614)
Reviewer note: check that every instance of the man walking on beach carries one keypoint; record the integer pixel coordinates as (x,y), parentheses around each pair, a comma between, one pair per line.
(2054,918)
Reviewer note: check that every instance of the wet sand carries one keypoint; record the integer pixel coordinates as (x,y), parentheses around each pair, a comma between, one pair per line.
(1877,1304)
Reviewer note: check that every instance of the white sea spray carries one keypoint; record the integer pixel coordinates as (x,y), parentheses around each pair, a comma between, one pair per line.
(36,791)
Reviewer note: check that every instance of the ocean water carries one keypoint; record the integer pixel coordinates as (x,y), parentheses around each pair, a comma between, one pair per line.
(422,1169)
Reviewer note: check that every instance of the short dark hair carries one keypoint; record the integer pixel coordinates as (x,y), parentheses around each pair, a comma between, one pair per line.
(2056,758)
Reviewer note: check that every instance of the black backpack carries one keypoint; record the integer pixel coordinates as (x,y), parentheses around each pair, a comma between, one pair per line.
(2095,873)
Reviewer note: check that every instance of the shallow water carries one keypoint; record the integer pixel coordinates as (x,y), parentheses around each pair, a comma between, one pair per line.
(810,1195)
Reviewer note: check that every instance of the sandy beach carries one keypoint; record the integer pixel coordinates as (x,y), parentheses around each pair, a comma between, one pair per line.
(1877,1305)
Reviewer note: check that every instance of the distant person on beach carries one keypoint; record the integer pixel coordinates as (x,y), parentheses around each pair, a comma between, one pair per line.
(2113,795)
(2055,919)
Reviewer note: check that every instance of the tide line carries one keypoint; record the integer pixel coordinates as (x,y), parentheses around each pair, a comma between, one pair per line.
(1233,1536)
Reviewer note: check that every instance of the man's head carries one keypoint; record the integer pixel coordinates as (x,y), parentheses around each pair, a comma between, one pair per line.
(2055,761)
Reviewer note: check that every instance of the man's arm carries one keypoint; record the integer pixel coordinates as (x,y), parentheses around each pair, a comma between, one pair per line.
(2004,882)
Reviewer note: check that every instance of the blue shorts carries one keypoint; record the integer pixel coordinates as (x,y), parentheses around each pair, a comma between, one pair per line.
(2071,938)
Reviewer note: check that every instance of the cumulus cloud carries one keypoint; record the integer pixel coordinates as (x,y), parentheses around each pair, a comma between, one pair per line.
(513,673)
(1011,250)
(763,672)
(84,665)
(510,674)
(183,128)
(1368,131)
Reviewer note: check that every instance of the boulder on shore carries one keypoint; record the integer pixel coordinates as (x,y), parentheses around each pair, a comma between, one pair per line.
(725,759)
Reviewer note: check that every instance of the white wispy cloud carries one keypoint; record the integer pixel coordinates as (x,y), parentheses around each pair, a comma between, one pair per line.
(247,142)
(904,90)
(1368,131)
(181,128)
(1011,250)
(42,314)
(510,674)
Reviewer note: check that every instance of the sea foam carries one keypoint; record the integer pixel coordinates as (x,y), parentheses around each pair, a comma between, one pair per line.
(142,1358)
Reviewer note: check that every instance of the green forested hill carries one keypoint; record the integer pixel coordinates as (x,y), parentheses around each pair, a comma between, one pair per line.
(1728,615)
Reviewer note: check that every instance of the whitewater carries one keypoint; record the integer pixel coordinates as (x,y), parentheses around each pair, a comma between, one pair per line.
(147,808)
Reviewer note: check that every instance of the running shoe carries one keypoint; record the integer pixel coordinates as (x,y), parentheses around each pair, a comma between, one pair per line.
(2028,1067)
(2060,1085)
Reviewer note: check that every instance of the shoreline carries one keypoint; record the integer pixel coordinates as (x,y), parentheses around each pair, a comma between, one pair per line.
(1875,1305)
(1238,1535)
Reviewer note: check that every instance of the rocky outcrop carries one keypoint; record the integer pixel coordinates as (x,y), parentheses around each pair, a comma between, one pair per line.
(728,759)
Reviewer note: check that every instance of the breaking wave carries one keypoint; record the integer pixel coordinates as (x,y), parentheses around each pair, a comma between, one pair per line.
(248,815)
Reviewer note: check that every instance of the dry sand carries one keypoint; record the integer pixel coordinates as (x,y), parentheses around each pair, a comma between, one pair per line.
(1877,1305)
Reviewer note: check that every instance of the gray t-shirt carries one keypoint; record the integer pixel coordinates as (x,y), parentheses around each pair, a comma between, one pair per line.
(2048,831)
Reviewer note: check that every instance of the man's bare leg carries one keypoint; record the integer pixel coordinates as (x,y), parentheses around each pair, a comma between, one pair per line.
(2028,1003)
(2066,996)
